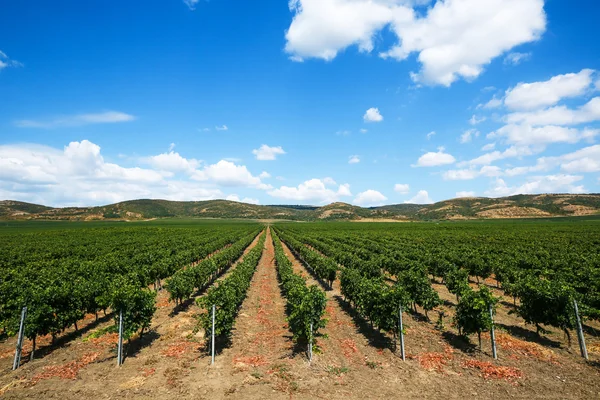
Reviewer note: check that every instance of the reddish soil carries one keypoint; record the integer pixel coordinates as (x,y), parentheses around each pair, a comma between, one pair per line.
(354,360)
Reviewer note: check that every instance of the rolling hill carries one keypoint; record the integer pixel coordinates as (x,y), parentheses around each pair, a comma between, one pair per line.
(519,206)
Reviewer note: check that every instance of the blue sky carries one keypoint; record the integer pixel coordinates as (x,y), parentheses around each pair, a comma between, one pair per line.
(315,101)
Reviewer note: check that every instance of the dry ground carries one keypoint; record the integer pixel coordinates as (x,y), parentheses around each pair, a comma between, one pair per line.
(261,361)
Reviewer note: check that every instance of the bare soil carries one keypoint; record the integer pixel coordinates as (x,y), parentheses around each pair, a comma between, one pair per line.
(261,361)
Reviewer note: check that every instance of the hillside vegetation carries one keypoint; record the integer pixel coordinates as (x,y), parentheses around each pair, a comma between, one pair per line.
(519,206)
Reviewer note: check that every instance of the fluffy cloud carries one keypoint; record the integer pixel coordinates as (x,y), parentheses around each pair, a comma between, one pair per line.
(311,190)
(373,115)
(467,136)
(516,58)
(585,160)
(529,96)
(370,198)
(539,184)
(465,194)
(402,188)
(475,121)
(108,117)
(432,159)
(454,39)
(173,162)
(489,147)
(472,173)
(559,115)
(248,200)
(422,197)
(353,160)
(267,153)
(511,152)
(79,175)
(524,135)
(264,175)
(227,173)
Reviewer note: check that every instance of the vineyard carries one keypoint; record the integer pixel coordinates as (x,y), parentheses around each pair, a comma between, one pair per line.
(301,310)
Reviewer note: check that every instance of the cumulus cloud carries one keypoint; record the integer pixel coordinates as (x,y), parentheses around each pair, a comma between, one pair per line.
(585,160)
(353,160)
(264,175)
(312,190)
(529,96)
(489,147)
(467,136)
(402,188)
(559,115)
(108,117)
(370,198)
(227,173)
(511,152)
(173,162)
(464,194)
(78,175)
(453,39)
(523,135)
(268,153)
(422,197)
(539,184)
(432,159)
(471,173)
(247,200)
(373,115)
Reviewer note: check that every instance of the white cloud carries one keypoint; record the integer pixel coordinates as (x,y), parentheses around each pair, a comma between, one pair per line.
(247,200)
(370,198)
(227,173)
(516,58)
(585,160)
(475,121)
(342,133)
(402,188)
(527,135)
(458,38)
(493,103)
(489,147)
(597,84)
(454,39)
(559,115)
(264,175)
(467,136)
(222,128)
(464,194)
(373,115)
(430,135)
(539,184)
(267,153)
(432,159)
(353,160)
(329,181)
(529,96)
(173,162)
(363,130)
(6,62)
(311,190)
(421,198)
(108,117)
(191,4)
(471,173)
(511,152)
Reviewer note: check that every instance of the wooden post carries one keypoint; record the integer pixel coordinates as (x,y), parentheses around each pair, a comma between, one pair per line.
(17,360)
(401,332)
(310,344)
(493,334)
(120,343)
(580,336)
(212,340)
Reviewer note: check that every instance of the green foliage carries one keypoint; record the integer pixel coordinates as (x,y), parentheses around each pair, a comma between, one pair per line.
(137,305)
(418,288)
(457,281)
(472,311)
(305,305)
(229,293)
(547,302)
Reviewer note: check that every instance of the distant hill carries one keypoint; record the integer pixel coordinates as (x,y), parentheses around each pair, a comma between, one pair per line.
(520,206)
